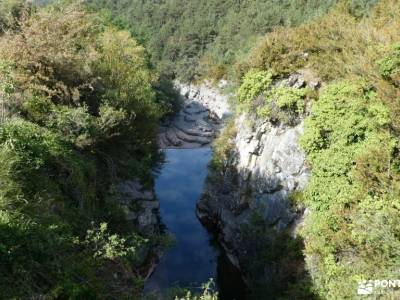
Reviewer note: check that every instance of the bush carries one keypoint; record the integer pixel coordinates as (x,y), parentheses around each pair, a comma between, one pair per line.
(74,125)
(277,103)
(223,146)
(110,246)
(283,104)
(334,45)
(349,148)
(11,11)
(389,66)
(289,98)
(273,262)
(254,84)
(207,294)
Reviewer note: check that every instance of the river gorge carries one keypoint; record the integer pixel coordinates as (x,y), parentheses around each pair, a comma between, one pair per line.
(265,166)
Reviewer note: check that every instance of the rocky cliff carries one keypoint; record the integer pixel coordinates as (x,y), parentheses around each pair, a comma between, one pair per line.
(265,167)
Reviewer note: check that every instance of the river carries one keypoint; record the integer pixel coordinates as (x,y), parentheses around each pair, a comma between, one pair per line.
(195,256)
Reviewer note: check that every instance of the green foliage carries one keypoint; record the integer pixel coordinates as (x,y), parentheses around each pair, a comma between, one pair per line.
(283,104)
(78,105)
(254,84)
(110,121)
(32,144)
(110,246)
(351,140)
(276,103)
(389,66)
(189,39)
(207,294)
(75,125)
(349,193)
(127,80)
(7,86)
(222,147)
(289,98)
(6,89)
(361,114)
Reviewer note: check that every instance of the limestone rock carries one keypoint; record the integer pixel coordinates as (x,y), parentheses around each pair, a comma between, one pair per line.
(265,167)
(140,206)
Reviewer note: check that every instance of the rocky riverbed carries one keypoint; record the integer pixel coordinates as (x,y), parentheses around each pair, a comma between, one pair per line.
(199,120)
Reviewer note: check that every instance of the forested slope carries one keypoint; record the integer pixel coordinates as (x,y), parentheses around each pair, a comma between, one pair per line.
(189,39)
(79,111)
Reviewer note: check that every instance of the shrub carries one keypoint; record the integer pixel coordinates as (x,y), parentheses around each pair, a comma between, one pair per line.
(110,246)
(6,89)
(254,84)
(207,294)
(111,121)
(74,125)
(222,147)
(52,54)
(282,104)
(334,45)
(273,262)
(11,11)
(389,66)
(289,98)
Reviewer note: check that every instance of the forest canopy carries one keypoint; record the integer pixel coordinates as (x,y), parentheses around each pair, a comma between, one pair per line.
(191,39)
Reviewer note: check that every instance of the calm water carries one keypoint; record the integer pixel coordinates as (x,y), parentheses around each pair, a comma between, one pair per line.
(192,260)
(195,257)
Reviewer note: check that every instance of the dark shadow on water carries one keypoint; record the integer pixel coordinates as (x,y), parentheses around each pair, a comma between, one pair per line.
(229,280)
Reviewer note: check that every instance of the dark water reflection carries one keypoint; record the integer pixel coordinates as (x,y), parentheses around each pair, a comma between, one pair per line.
(192,260)
(195,256)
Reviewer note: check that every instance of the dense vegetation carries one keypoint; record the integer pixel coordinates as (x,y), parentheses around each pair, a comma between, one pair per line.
(192,39)
(79,109)
(351,139)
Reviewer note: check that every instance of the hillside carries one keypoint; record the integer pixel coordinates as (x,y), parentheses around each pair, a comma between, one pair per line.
(79,110)
(189,39)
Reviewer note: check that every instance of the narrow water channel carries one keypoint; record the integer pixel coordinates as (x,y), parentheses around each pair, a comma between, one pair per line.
(195,257)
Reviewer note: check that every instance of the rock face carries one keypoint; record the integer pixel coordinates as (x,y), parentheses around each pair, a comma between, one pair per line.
(265,167)
(142,211)
(140,206)
(199,121)
(209,96)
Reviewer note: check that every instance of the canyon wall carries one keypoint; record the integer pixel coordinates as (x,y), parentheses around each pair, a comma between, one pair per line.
(265,167)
